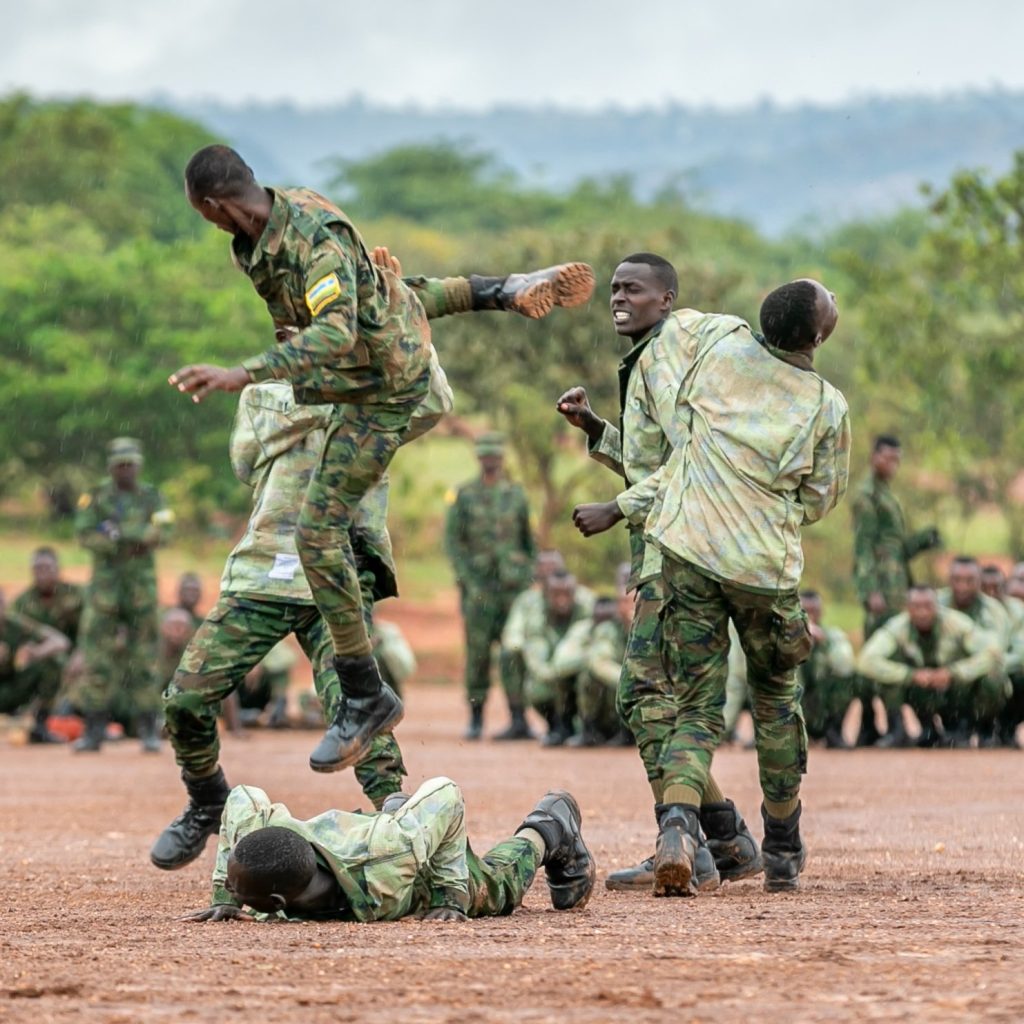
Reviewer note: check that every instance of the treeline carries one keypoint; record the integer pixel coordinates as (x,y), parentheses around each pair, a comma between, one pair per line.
(108,282)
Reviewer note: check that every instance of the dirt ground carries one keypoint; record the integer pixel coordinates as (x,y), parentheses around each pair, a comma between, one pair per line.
(912,906)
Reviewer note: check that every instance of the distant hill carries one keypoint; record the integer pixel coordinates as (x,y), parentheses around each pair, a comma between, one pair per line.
(779,168)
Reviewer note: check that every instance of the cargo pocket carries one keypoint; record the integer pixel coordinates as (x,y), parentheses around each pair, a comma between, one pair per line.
(791,639)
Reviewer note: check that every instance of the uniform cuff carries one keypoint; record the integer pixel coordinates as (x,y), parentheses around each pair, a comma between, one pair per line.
(258,368)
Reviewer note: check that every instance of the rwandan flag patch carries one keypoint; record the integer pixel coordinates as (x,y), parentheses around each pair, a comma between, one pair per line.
(323,293)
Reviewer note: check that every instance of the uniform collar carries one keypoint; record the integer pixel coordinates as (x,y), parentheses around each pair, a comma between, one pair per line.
(250,253)
(801,360)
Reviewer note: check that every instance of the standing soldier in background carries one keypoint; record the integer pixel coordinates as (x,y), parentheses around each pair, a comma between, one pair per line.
(490,544)
(122,522)
(882,550)
(56,603)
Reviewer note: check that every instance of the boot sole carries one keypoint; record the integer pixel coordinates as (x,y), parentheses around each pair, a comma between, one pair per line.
(637,886)
(574,284)
(673,869)
(357,755)
(535,301)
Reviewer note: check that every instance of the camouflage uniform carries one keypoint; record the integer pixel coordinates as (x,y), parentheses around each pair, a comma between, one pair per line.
(118,630)
(264,596)
(882,549)
(828,683)
(1013,713)
(649,375)
(726,512)
(971,654)
(62,610)
(550,684)
(490,544)
(392,865)
(363,345)
(592,653)
(17,686)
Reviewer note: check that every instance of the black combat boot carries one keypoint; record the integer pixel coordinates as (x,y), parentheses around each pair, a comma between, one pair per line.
(783,852)
(475,729)
(535,294)
(897,736)
(868,734)
(732,844)
(368,707)
(148,732)
(39,733)
(278,717)
(675,854)
(518,729)
(567,862)
(95,732)
(184,839)
(588,736)
(834,738)
(558,731)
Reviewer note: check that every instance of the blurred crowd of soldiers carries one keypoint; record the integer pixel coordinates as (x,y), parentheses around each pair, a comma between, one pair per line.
(953,656)
(96,658)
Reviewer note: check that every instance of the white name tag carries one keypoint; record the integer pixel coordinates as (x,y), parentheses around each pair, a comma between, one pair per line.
(285,567)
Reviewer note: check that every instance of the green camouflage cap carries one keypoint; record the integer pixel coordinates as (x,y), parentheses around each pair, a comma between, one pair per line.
(491,443)
(124,449)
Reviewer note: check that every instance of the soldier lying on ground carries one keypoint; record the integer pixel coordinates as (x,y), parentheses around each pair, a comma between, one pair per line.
(411,858)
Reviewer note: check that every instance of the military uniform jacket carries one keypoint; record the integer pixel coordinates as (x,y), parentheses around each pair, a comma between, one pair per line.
(488,536)
(832,658)
(112,523)
(62,610)
(896,648)
(362,335)
(760,448)
(882,548)
(275,446)
(387,865)
(543,637)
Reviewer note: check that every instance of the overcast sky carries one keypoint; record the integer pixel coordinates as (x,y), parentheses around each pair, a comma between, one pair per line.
(467,53)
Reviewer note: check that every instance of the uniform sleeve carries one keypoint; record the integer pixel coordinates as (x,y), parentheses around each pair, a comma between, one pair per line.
(865,532)
(842,662)
(455,539)
(607,449)
(636,502)
(331,294)
(570,654)
(1015,647)
(877,660)
(824,488)
(920,540)
(537,656)
(513,636)
(604,657)
(247,809)
(983,656)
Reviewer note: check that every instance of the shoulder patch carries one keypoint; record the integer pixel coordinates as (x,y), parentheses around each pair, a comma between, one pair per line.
(323,293)
(85,500)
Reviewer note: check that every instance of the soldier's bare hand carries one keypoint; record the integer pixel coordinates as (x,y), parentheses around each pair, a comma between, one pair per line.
(574,405)
(224,912)
(381,256)
(202,379)
(596,517)
(444,914)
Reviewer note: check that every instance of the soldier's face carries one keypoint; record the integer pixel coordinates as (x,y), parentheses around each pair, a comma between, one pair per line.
(965,583)
(176,631)
(491,465)
(45,574)
(826,312)
(638,299)
(215,211)
(189,593)
(886,461)
(993,584)
(561,597)
(812,608)
(923,609)
(124,474)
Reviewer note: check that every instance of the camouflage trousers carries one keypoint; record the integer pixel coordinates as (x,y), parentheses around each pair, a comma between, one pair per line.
(441,296)
(235,637)
(118,641)
(495,883)
(360,443)
(646,698)
(975,705)
(38,682)
(595,702)
(824,698)
(557,694)
(484,613)
(773,632)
